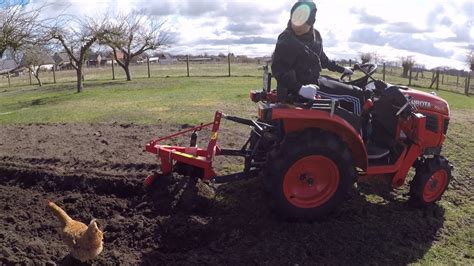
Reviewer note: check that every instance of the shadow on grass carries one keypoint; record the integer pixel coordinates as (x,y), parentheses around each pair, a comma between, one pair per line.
(39,101)
(240,229)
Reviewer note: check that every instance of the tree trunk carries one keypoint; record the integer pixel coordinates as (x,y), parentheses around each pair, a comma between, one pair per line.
(127,72)
(38,78)
(405,72)
(39,81)
(79,78)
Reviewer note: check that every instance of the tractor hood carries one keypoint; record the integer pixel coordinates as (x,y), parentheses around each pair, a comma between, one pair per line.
(427,102)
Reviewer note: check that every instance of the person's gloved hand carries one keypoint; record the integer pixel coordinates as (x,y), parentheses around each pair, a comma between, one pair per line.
(308,91)
(348,71)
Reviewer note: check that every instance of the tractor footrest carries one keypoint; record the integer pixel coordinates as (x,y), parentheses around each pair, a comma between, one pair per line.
(375,152)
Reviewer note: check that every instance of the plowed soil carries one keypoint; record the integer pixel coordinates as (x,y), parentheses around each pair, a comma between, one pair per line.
(96,171)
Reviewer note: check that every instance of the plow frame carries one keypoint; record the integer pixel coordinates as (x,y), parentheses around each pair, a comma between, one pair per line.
(199,158)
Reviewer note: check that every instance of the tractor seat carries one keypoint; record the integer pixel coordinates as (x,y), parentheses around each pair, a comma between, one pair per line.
(374,152)
(351,98)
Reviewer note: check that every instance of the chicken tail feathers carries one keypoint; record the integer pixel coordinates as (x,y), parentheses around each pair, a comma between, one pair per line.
(60,213)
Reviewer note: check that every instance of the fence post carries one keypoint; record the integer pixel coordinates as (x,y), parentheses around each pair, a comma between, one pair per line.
(113,69)
(409,77)
(148,65)
(437,79)
(383,72)
(8,76)
(442,80)
(457,81)
(350,65)
(433,79)
(187,64)
(228,60)
(468,83)
(29,74)
(433,76)
(54,74)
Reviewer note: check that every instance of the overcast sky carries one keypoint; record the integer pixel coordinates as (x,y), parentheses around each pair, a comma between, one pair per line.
(435,32)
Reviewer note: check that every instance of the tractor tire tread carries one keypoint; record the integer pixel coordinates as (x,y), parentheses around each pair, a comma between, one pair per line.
(298,145)
(424,171)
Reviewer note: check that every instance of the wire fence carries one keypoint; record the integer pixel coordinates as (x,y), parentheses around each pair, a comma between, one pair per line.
(433,79)
(437,80)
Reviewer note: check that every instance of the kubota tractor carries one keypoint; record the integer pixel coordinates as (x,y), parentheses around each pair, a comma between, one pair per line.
(310,153)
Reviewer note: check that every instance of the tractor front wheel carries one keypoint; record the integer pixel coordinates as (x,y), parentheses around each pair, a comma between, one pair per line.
(309,175)
(431,180)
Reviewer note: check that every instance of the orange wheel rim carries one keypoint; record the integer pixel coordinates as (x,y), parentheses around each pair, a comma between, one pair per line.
(435,185)
(311,181)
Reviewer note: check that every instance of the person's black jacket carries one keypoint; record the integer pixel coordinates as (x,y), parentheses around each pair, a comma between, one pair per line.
(298,60)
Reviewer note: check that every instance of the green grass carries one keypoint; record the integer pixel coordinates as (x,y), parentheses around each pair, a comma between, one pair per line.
(171,100)
(454,242)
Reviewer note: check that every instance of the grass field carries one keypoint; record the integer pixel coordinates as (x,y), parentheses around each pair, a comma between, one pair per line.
(173,99)
(182,100)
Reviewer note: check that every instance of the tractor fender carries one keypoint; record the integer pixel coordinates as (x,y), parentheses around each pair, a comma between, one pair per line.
(295,120)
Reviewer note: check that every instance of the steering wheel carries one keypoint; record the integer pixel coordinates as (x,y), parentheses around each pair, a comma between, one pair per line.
(368,69)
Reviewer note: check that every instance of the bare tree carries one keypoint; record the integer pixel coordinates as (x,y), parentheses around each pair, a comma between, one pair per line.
(366,57)
(34,57)
(76,38)
(470,59)
(19,26)
(407,63)
(131,35)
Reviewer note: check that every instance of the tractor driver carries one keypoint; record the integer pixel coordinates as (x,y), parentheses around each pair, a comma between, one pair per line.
(299,58)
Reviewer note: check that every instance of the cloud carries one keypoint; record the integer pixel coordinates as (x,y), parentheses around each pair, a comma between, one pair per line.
(461,33)
(255,40)
(366,18)
(183,8)
(330,39)
(235,11)
(445,21)
(401,41)
(244,28)
(241,40)
(467,8)
(403,27)
(368,36)
(457,17)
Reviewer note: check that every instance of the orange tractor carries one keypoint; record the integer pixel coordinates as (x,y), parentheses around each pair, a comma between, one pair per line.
(310,153)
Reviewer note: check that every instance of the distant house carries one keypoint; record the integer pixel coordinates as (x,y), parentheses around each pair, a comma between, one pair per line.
(93,59)
(164,58)
(10,66)
(143,60)
(47,62)
(109,57)
(62,61)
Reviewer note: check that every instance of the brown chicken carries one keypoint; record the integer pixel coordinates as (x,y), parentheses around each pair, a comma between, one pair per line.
(84,242)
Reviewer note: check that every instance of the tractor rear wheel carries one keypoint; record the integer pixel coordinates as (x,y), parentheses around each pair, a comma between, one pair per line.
(309,175)
(431,180)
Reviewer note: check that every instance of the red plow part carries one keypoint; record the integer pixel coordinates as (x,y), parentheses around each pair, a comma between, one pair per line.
(193,156)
